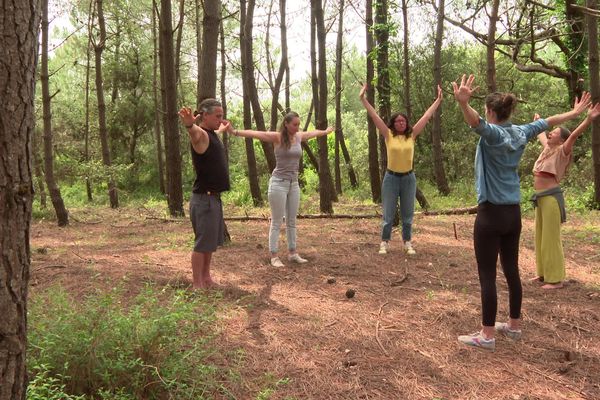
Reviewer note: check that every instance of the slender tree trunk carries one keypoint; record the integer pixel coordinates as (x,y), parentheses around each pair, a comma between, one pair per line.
(327,192)
(117,60)
(199,16)
(592,27)
(436,131)
(248,70)
(37,168)
(62,216)
(374,176)
(383,73)
(102,130)
(250,154)
(340,143)
(86,129)
(18,52)
(491,45)
(283,65)
(173,154)
(224,88)
(178,40)
(407,98)
(406,62)
(157,110)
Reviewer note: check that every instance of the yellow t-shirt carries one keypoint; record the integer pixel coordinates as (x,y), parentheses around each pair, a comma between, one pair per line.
(400,152)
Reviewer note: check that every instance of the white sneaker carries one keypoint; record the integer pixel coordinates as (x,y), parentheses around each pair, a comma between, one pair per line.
(276,262)
(297,259)
(384,247)
(409,249)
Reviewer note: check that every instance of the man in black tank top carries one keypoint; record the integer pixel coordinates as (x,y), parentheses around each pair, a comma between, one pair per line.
(212,178)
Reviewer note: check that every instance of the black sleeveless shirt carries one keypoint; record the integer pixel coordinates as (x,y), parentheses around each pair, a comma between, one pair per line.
(211,167)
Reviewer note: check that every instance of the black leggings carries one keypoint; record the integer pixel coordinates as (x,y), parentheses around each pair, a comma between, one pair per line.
(497,230)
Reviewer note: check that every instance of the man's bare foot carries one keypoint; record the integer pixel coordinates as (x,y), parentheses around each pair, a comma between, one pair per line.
(537,279)
(558,285)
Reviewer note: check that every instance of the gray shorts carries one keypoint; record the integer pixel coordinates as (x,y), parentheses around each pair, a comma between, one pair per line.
(206,214)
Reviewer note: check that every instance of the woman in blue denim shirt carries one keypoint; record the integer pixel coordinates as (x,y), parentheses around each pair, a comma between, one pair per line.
(498,223)
(284,192)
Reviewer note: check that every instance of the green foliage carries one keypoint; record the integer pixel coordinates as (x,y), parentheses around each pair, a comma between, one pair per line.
(156,345)
(44,386)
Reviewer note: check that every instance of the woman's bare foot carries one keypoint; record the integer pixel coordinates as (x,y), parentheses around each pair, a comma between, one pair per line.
(558,285)
(537,279)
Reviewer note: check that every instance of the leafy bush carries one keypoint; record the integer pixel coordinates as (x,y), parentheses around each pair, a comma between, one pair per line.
(153,348)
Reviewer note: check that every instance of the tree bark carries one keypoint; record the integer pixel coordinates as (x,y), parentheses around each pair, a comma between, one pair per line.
(383,74)
(172,143)
(18,52)
(210,38)
(326,190)
(157,110)
(248,142)
(406,63)
(283,65)
(62,216)
(248,72)
(102,129)
(374,176)
(436,131)
(340,143)
(223,88)
(37,168)
(86,129)
(491,45)
(592,27)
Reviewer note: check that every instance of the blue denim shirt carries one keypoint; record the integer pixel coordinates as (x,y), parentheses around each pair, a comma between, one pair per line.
(498,153)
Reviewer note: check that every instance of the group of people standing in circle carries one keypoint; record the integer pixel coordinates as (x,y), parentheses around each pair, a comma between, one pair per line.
(497,225)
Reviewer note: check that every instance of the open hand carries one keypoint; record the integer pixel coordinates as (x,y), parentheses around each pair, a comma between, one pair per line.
(463,93)
(363,90)
(594,111)
(186,116)
(583,102)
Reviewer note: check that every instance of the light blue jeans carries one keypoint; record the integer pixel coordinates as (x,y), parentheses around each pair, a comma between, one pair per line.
(284,199)
(394,187)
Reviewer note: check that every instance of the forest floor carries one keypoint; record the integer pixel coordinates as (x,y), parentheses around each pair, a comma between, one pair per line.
(395,339)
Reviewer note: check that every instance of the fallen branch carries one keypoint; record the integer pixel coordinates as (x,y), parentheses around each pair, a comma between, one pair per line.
(574,390)
(377,330)
(48,266)
(454,211)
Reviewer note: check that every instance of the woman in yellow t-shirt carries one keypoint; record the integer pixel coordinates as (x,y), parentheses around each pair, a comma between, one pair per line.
(399,180)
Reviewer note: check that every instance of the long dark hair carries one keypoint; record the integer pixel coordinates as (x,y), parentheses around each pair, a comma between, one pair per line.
(503,104)
(408,129)
(283,131)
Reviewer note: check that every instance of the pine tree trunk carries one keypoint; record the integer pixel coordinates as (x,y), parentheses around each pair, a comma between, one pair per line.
(102,130)
(374,176)
(436,130)
(62,216)
(327,193)
(592,27)
(155,95)
(173,154)
(18,52)
(246,78)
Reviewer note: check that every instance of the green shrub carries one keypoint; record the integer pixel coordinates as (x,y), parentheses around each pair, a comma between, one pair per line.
(154,347)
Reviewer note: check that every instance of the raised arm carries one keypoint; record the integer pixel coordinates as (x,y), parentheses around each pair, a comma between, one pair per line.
(312,134)
(580,106)
(541,136)
(592,114)
(463,94)
(198,136)
(379,123)
(265,136)
(420,125)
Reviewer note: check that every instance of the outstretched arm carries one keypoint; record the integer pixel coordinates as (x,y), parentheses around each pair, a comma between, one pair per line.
(592,114)
(463,94)
(312,134)
(580,106)
(420,125)
(265,136)
(379,123)
(541,136)
(198,136)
